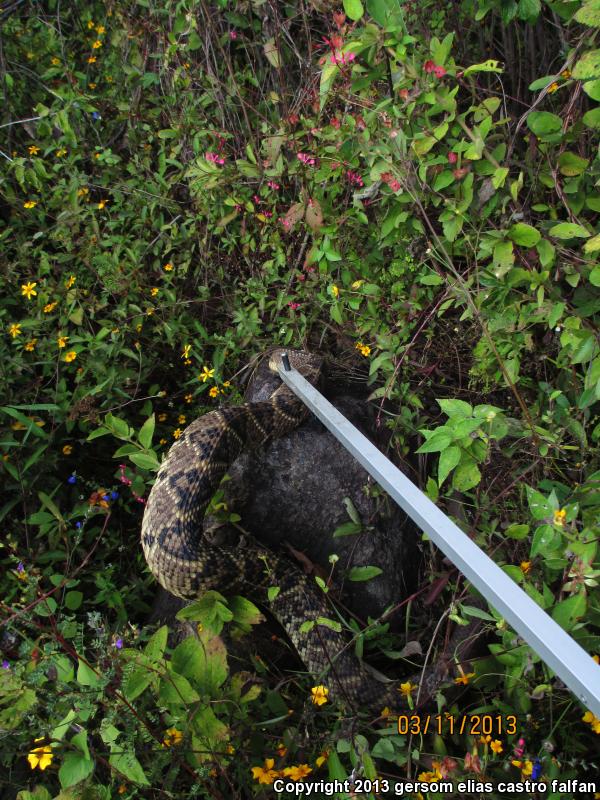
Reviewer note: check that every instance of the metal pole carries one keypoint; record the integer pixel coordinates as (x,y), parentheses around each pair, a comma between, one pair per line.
(554,646)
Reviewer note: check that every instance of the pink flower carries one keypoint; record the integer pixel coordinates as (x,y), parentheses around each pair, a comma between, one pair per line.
(354,178)
(233,35)
(452,158)
(273,185)
(429,66)
(306,159)
(301,278)
(256,199)
(285,222)
(339,18)
(337,57)
(439,72)
(214,158)
(294,306)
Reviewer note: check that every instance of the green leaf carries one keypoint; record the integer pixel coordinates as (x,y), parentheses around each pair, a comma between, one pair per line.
(543,123)
(146,433)
(272,53)
(130,767)
(156,644)
(592,89)
(570,611)
(589,14)
(491,65)
(571,164)
(147,461)
(73,600)
(466,476)
(529,10)
(139,678)
(449,459)
(591,119)
(244,612)
(202,661)
(176,690)
(347,529)
(455,408)
(516,531)
(544,539)
(386,12)
(539,505)
(569,230)
(436,443)
(588,66)
(594,277)
(86,675)
(354,9)
(524,235)
(364,573)
(74,769)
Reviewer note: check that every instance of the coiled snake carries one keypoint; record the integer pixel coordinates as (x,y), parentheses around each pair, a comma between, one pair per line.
(186,564)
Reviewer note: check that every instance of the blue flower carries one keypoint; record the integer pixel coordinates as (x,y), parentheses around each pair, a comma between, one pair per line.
(5,664)
(114,495)
(537,770)
(72,479)
(78,524)
(96,115)
(119,643)
(106,497)
(20,567)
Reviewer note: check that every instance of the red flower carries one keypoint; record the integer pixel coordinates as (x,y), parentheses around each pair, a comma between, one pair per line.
(439,72)
(429,66)
(452,158)
(403,94)
(339,18)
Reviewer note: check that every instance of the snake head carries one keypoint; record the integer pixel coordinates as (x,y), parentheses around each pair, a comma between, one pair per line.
(308,364)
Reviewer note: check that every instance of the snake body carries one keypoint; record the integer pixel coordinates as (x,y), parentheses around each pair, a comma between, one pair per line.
(186,564)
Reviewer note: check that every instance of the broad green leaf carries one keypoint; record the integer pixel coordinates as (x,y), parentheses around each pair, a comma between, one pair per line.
(86,675)
(529,10)
(466,476)
(74,769)
(423,145)
(176,690)
(591,119)
(386,12)
(449,458)
(202,661)
(571,164)
(544,539)
(516,531)
(272,53)
(146,432)
(569,611)
(491,65)
(436,443)
(539,505)
(73,600)
(524,235)
(354,9)
(147,461)
(455,408)
(128,765)
(364,573)
(588,66)
(569,230)
(592,89)
(543,123)
(594,277)
(155,646)
(589,14)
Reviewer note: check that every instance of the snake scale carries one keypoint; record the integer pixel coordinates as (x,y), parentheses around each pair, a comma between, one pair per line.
(186,564)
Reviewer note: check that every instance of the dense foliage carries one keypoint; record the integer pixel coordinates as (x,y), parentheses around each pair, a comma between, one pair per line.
(409,188)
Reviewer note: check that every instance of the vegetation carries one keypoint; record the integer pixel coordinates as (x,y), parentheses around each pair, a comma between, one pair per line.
(411,188)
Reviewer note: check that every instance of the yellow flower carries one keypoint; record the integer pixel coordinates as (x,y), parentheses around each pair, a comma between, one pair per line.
(281,750)
(177,433)
(100,29)
(67,449)
(319,695)
(188,398)
(527,768)
(320,760)
(62,341)
(70,356)
(485,739)
(553,87)
(406,688)
(90,24)
(163,441)
(596,659)
(357,284)
(55,61)
(49,307)
(40,756)
(28,289)
(186,350)
(181,419)
(92,60)
(566,74)
(173,737)
(83,191)
(60,153)
(525,567)
(213,391)
(559,517)
(162,417)
(168,267)
(150,311)
(265,774)
(334,290)
(206,374)
(92,85)
(297,773)
(496,746)
(15,329)
(154,291)
(109,79)
(227,384)
(70,281)
(101,204)
(464,678)
(33,149)
(122,789)
(30,204)
(30,346)
(365,350)
(97,45)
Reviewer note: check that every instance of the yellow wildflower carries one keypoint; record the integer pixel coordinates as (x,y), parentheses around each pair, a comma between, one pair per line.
(527,769)
(67,449)
(357,284)
(566,74)
(281,750)
(177,433)
(62,341)
(186,350)
(49,307)
(485,739)
(188,398)
(102,204)
(163,441)
(525,567)
(496,746)
(92,85)
(15,329)
(463,678)
(109,79)
(91,24)
(28,289)
(97,45)
(33,149)
(173,737)
(206,374)
(181,419)
(30,204)
(122,789)
(334,290)
(406,688)
(154,291)
(553,87)
(297,773)
(162,417)
(100,29)
(168,267)
(320,760)
(559,517)
(265,774)
(365,350)
(30,346)
(40,756)
(92,60)
(55,61)
(83,191)
(319,695)
(70,356)
(227,384)
(60,153)
(70,281)
(213,391)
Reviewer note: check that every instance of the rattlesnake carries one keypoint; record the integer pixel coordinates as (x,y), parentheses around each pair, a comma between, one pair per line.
(186,564)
